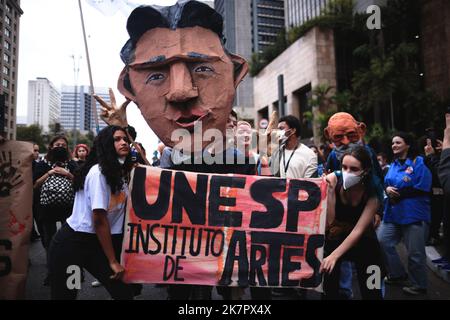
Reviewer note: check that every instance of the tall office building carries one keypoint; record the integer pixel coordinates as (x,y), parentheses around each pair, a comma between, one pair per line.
(267,22)
(300,11)
(249,26)
(10,13)
(44,103)
(78,112)
(238,33)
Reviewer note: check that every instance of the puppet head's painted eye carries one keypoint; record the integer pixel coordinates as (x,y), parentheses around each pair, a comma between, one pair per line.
(155,77)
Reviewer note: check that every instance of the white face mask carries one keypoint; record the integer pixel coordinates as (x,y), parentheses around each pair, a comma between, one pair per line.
(122,160)
(350,179)
(282,137)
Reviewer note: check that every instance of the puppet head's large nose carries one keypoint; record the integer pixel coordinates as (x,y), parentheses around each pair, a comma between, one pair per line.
(181,86)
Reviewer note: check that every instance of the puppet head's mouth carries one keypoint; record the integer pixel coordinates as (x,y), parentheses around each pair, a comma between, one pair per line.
(190,121)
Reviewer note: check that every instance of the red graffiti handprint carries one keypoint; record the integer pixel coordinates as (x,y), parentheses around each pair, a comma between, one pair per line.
(9,177)
(15,227)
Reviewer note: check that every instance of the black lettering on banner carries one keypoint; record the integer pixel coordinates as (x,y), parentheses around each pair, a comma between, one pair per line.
(220,218)
(168,274)
(142,209)
(208,241)
(275,240)
(174,265)
(295,206)
(131,232)
(166,236)
(183,241)
(238,238)
(262,192)
(142,239)
(174,239)
(195,251)
(5,259)
(155,239)
(256,265)
(290,266)
(221,245)
(193,203)
(315,241)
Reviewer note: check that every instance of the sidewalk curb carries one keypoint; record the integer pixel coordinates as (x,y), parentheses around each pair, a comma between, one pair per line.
(432,254)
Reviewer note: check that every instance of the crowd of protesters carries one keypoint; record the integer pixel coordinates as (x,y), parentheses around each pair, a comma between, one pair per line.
(409,193)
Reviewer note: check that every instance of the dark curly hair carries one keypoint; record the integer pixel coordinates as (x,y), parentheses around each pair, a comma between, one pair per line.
(104,154)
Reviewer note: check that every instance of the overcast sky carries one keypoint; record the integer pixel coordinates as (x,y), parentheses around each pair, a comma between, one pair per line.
(50,33)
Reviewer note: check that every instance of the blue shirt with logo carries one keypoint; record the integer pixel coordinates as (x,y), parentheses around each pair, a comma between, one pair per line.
(410,174)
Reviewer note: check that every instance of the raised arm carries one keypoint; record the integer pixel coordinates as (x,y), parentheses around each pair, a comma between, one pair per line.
(444,166)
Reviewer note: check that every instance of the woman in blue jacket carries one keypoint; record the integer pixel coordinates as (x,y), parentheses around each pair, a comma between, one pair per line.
(406,215)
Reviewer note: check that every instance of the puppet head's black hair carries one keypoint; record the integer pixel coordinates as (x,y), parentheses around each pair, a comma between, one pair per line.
(184,14)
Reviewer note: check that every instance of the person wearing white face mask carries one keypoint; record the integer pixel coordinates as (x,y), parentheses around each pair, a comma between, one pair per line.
(293,160)
(354,196)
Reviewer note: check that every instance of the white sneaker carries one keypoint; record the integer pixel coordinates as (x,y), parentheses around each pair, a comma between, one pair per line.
(96,284)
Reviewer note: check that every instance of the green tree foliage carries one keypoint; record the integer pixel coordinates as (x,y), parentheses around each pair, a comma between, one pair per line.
(32,133)
(379,76)
(87,139)
(337,14)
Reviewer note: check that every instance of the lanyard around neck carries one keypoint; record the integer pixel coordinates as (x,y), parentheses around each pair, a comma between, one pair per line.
(286,165)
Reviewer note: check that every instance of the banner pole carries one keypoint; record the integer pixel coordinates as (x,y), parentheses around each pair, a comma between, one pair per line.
(92,92)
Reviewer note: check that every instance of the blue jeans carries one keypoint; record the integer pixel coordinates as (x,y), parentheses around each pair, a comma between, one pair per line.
(414,237)
(345,281)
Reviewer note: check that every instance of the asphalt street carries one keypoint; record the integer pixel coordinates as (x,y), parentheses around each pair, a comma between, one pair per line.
(438,288)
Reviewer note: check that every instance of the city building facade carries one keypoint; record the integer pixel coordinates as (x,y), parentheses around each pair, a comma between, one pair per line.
(76,108)
(300,11)
(238,34)
(435,45)
(44,103)
(308,62)
(10,13)
(267,22)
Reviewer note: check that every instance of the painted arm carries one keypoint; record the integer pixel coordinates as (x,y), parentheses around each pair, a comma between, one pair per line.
(103,231)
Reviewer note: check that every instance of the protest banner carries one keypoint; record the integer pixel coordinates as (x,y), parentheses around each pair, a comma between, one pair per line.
(16,191)
(228,230)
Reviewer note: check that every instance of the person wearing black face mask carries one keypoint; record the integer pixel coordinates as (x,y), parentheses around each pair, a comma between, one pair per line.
(53,188)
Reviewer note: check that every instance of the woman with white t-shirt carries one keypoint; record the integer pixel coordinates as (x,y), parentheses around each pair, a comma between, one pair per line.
(92,236)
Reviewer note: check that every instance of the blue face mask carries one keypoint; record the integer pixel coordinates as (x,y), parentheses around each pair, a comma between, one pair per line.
(341,150)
